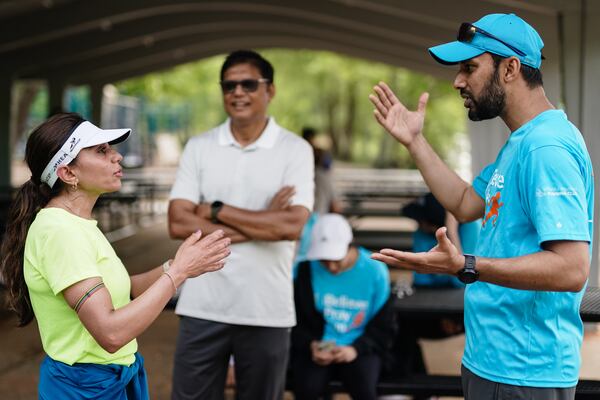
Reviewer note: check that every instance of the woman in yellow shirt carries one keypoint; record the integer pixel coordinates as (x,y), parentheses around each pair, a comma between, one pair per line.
(60,268)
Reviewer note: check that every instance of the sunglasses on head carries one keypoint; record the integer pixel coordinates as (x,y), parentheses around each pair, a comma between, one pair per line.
(467,32)
(248,85)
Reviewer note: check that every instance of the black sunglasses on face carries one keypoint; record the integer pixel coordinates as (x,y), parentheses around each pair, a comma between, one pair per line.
(467,31)
(248,85)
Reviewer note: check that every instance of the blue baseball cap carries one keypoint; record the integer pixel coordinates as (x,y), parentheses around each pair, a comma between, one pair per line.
(505,35)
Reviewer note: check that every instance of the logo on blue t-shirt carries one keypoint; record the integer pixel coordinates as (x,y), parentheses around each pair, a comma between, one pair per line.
(493,203)
(493,207)
(343,312)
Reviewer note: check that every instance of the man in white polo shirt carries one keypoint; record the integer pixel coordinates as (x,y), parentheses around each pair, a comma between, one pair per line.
(254,180)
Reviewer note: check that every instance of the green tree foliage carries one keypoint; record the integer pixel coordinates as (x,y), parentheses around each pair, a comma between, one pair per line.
(324,90)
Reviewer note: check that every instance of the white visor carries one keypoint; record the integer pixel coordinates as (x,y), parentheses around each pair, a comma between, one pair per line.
(85,135)
(330,237)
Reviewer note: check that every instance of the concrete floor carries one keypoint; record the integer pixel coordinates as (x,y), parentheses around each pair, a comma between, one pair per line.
(21,352)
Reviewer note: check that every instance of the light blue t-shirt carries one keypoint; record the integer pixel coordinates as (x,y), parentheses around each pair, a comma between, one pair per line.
(540,188)
(304,242)
(349,300)
(422,242)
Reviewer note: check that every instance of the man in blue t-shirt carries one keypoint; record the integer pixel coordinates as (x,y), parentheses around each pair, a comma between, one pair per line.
(526,280)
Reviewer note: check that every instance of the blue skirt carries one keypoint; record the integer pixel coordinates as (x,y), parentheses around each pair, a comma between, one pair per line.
(93,381)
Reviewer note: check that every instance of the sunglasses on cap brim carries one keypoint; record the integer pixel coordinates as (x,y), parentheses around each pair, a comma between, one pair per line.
(467,32)
(248,85)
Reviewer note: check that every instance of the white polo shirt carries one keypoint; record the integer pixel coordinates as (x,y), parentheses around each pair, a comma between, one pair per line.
(255,286)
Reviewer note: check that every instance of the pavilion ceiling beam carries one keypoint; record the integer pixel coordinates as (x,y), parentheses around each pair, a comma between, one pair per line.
(385,27)
(49,57)
(549,8)
(94,15)
(421,63)
(126,28)
(165,48)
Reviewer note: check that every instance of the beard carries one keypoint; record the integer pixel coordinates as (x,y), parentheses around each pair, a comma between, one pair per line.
(491,101)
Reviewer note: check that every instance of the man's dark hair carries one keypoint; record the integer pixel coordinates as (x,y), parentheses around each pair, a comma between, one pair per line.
(532,76)
(249,57)
(309,133)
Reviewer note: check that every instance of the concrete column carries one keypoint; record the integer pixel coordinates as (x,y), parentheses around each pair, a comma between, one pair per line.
(5,145)
(572,63)
(96,94)
(487,138)
(590,115)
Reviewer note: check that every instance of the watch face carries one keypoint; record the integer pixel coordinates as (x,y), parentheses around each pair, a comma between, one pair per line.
(468,276)
(215,207)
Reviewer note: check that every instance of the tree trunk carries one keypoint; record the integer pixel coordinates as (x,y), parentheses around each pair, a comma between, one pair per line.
(26,93)
(347,132)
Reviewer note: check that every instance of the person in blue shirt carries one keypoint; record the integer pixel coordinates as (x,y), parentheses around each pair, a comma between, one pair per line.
(344,314)
(526,282)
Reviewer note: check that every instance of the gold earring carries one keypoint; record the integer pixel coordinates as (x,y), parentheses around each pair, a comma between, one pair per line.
(74,186)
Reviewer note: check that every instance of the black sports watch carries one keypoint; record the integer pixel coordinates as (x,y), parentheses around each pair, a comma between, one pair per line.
(215,207)
(469,273)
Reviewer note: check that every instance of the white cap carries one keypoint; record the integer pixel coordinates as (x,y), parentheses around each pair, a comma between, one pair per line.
(84,135)
(331,235)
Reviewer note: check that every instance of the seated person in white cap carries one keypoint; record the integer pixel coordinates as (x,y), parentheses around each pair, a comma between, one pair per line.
(344,314)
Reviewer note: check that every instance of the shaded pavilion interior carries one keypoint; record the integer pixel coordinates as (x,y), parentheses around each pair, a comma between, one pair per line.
(94,42)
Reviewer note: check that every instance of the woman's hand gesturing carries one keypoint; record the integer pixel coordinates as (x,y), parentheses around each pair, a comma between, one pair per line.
(198,255)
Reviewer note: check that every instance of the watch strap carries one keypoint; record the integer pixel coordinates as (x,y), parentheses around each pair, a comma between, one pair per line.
(469,261)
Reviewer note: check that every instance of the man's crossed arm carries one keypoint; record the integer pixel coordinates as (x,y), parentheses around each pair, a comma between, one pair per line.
(279,221)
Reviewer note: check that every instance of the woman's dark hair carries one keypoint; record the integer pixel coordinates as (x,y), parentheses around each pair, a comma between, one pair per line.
(43,143)
(532,76)
(249,57)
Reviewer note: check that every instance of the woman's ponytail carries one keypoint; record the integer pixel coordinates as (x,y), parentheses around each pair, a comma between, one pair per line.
(29,199)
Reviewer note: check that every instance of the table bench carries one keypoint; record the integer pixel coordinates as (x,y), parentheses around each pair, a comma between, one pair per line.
(436,303)
(136,200)
(376,240)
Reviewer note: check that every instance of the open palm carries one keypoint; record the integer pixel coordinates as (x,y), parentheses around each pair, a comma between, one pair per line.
(444,258)
(400,122)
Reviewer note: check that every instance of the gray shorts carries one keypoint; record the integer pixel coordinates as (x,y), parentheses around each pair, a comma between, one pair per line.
(477,388)
(202,359)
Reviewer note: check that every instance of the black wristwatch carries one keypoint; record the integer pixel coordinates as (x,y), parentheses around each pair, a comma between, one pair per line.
(469,273)
(215,207)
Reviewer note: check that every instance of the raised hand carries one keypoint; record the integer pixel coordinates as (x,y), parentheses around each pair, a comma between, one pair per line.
(198,255)
(444,258)
(402,124)
(282,199)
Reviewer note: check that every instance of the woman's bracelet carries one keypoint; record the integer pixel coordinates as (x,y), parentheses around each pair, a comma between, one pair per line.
(172,281)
